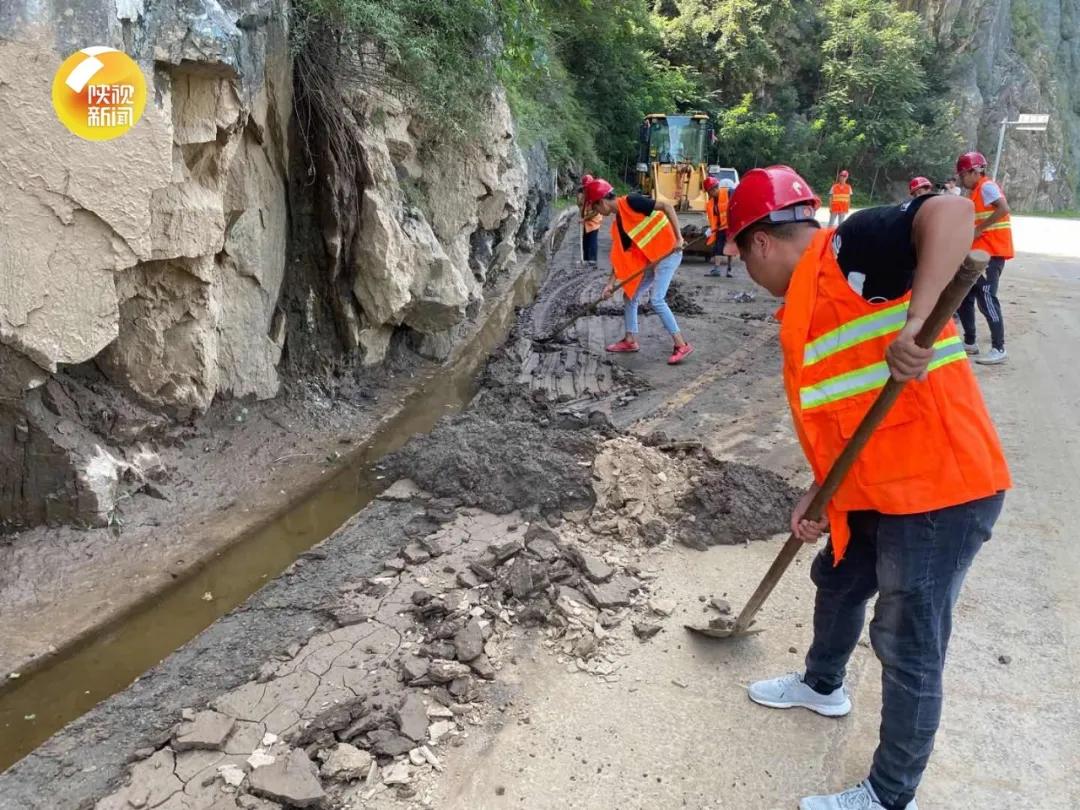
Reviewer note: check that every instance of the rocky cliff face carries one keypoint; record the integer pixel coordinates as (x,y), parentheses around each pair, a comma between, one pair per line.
(145,277)
(1011,57)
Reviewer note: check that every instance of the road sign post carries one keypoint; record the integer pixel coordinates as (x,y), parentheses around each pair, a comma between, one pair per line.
(1029,122)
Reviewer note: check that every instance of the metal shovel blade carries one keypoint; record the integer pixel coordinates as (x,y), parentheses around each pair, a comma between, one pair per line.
(722,627)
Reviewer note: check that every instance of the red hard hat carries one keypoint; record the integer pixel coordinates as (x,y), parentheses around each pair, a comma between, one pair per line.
(710,183)
(586,179)
(917,183)
(596,189)
(773,193)
(970,160)
(843,173)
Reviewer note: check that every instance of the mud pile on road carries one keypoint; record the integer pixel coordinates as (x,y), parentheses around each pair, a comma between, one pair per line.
(679,491)
(728,502)
(681,301)
(509,450)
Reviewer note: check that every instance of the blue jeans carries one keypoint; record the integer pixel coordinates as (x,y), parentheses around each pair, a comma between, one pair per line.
(657,280)
(916,564)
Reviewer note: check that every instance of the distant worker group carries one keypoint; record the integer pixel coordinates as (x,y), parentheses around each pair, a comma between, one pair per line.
(647,245)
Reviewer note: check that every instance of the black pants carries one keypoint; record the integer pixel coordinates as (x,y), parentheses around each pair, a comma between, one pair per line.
(916,565)
(591,245)
(984,293)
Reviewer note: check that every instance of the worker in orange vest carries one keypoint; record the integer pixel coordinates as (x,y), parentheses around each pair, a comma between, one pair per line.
(839,199)
(993,233)
(920,186)
(716,206)
(590,226)
(924,494)
(646,250)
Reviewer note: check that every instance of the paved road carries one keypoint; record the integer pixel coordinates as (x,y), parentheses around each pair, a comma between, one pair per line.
(679,730)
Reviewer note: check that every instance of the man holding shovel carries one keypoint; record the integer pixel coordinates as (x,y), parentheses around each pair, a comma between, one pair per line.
(646,250)
(922,496)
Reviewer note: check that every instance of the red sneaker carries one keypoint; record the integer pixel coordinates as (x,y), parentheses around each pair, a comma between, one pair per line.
(623,345)
(680,353)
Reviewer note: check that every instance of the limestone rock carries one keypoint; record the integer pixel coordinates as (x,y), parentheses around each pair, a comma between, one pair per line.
(345,763)
(612,594)
(208,730)
(593,567)
(152,782)
(469,641)
(447,671)
(413,667)
(397,774)
(291,779)
(412,717)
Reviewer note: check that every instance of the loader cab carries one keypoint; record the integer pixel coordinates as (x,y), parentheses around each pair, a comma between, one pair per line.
(673,158)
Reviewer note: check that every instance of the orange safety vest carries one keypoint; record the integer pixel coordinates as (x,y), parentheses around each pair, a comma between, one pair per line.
(937,446)
(840,198)
(716,210)
(592,223)
(996,239)
(652,236)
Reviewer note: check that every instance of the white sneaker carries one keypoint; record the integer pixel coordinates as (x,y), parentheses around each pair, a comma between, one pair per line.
(971,348)
(861,797)
(789,691)
(992,357)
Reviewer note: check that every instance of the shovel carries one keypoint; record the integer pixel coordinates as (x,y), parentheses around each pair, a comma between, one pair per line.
(589,310)
(947,304)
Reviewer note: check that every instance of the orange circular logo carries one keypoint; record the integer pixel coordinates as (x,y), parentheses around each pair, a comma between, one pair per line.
(99,93)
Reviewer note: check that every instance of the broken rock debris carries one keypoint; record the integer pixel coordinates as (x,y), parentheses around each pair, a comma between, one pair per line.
(363,706)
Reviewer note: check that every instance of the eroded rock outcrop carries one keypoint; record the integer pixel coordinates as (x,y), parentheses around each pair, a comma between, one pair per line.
(171,266)
(1011,57)
(158,255)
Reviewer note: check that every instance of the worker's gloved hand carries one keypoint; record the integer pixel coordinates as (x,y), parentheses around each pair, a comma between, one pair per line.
(906,360)
(808,531)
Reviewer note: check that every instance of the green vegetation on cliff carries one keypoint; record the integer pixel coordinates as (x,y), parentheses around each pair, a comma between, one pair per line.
(842,83)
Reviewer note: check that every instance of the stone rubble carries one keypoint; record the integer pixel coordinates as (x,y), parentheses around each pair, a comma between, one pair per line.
(345,763)
(205,730)
(291,779)
(407,670)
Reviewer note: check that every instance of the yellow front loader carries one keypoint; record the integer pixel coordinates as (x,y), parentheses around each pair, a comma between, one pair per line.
(672,168)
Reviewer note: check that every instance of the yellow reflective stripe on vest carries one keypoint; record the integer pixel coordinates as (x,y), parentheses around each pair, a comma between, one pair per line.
(1003,225)
(852,333)
(656,229)
(841,197)
(868,378)
(648,222)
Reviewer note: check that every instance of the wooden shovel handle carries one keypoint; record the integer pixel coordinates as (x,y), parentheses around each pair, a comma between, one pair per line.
(947,304)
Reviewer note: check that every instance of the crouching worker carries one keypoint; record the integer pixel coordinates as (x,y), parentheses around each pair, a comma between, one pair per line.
(924,494)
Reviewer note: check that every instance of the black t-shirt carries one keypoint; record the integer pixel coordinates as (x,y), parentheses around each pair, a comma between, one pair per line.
(641,204)
(876,242)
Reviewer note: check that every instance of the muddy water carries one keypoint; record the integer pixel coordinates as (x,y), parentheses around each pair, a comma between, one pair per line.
(36,705)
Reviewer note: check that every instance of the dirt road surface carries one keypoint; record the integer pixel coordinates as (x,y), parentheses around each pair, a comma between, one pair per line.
(682,733)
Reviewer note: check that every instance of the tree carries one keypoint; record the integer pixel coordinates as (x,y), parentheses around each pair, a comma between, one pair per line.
(873,77)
